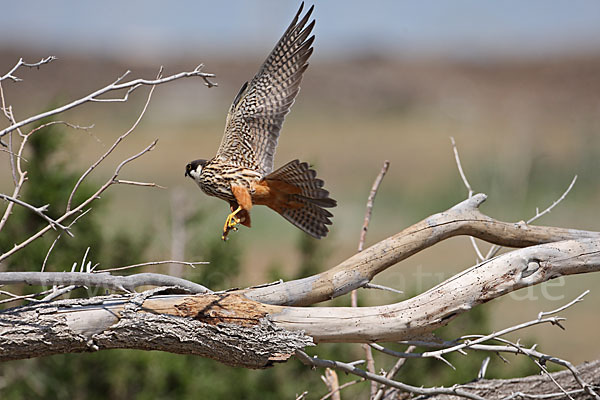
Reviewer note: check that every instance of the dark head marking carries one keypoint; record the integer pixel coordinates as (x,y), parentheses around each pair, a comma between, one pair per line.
(193,166)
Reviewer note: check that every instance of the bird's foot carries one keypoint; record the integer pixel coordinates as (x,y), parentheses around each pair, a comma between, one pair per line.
(231,223)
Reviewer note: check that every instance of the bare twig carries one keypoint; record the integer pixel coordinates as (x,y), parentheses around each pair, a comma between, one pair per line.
(370,201)
(392,373)
(470,194)
(58,238)
(559,309)
(39,211)
(495,248)
(483,368)
(539,214)
(104,280)
(9,74)
(59,291)
(70,212)
(189,264)
(115,144)
(361,244)
(317,362)
(341,387)
(29,297)
(521,395)
(131,85)
(135,183)
(331,381)
(466,344)
(381,287)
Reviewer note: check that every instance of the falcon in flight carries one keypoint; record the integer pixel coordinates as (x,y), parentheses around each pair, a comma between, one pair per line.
(242,171)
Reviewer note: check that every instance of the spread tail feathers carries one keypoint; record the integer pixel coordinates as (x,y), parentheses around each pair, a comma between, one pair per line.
(304,205)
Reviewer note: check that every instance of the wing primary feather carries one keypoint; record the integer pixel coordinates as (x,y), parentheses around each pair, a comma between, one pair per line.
(257,113)
(239,95)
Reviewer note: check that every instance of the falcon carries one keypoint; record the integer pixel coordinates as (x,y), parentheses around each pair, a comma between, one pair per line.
(242,172)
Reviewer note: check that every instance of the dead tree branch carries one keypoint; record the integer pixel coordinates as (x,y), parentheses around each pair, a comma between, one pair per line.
(462,219)
(64,327)
(408,319)
(533,387)
(115,86)
(20,63)
(104,280)
(317,362)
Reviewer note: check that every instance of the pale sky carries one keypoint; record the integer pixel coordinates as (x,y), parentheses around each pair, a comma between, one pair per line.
(464,28)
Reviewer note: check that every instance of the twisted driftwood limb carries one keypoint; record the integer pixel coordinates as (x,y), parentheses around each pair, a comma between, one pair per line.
(462,219)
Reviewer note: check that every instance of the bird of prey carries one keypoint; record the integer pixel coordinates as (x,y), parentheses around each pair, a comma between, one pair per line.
(242,171)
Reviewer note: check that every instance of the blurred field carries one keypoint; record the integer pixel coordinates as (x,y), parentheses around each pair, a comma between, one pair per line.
(524,129)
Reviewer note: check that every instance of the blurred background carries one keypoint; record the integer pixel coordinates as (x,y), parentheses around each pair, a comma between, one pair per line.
(516,84)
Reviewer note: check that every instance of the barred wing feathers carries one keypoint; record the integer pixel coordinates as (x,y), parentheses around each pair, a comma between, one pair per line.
(257,113)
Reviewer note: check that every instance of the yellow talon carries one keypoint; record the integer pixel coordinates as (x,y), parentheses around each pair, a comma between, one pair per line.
(231,223)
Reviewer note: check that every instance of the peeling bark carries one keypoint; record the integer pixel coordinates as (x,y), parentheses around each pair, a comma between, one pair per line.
(206,329)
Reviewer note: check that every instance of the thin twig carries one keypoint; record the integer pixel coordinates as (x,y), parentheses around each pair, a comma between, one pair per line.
(190,264)
(321,363)
(135,183)
(39,211)
(361,244)
(559,309)
(466,344)
(115,144)
(483,368)
(9,74)
(370,201)
(470,194)
(29,297)
(341,387)
(381,287)
(392,373)
(69,212)
(59,236)
(495,248)
(59,291)
(132,85)
(557,202)
(521,395)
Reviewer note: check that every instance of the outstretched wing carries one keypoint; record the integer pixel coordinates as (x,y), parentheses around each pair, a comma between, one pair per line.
(257,113)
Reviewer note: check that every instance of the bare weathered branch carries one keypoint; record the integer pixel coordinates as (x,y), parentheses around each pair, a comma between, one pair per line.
(462,219)
(80,325)
(533,387)
(103,280)
(77,210)
(361,244)
(116,85)
(149,263)
(438,306)
(317,362)
(21,62)
(39,211)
